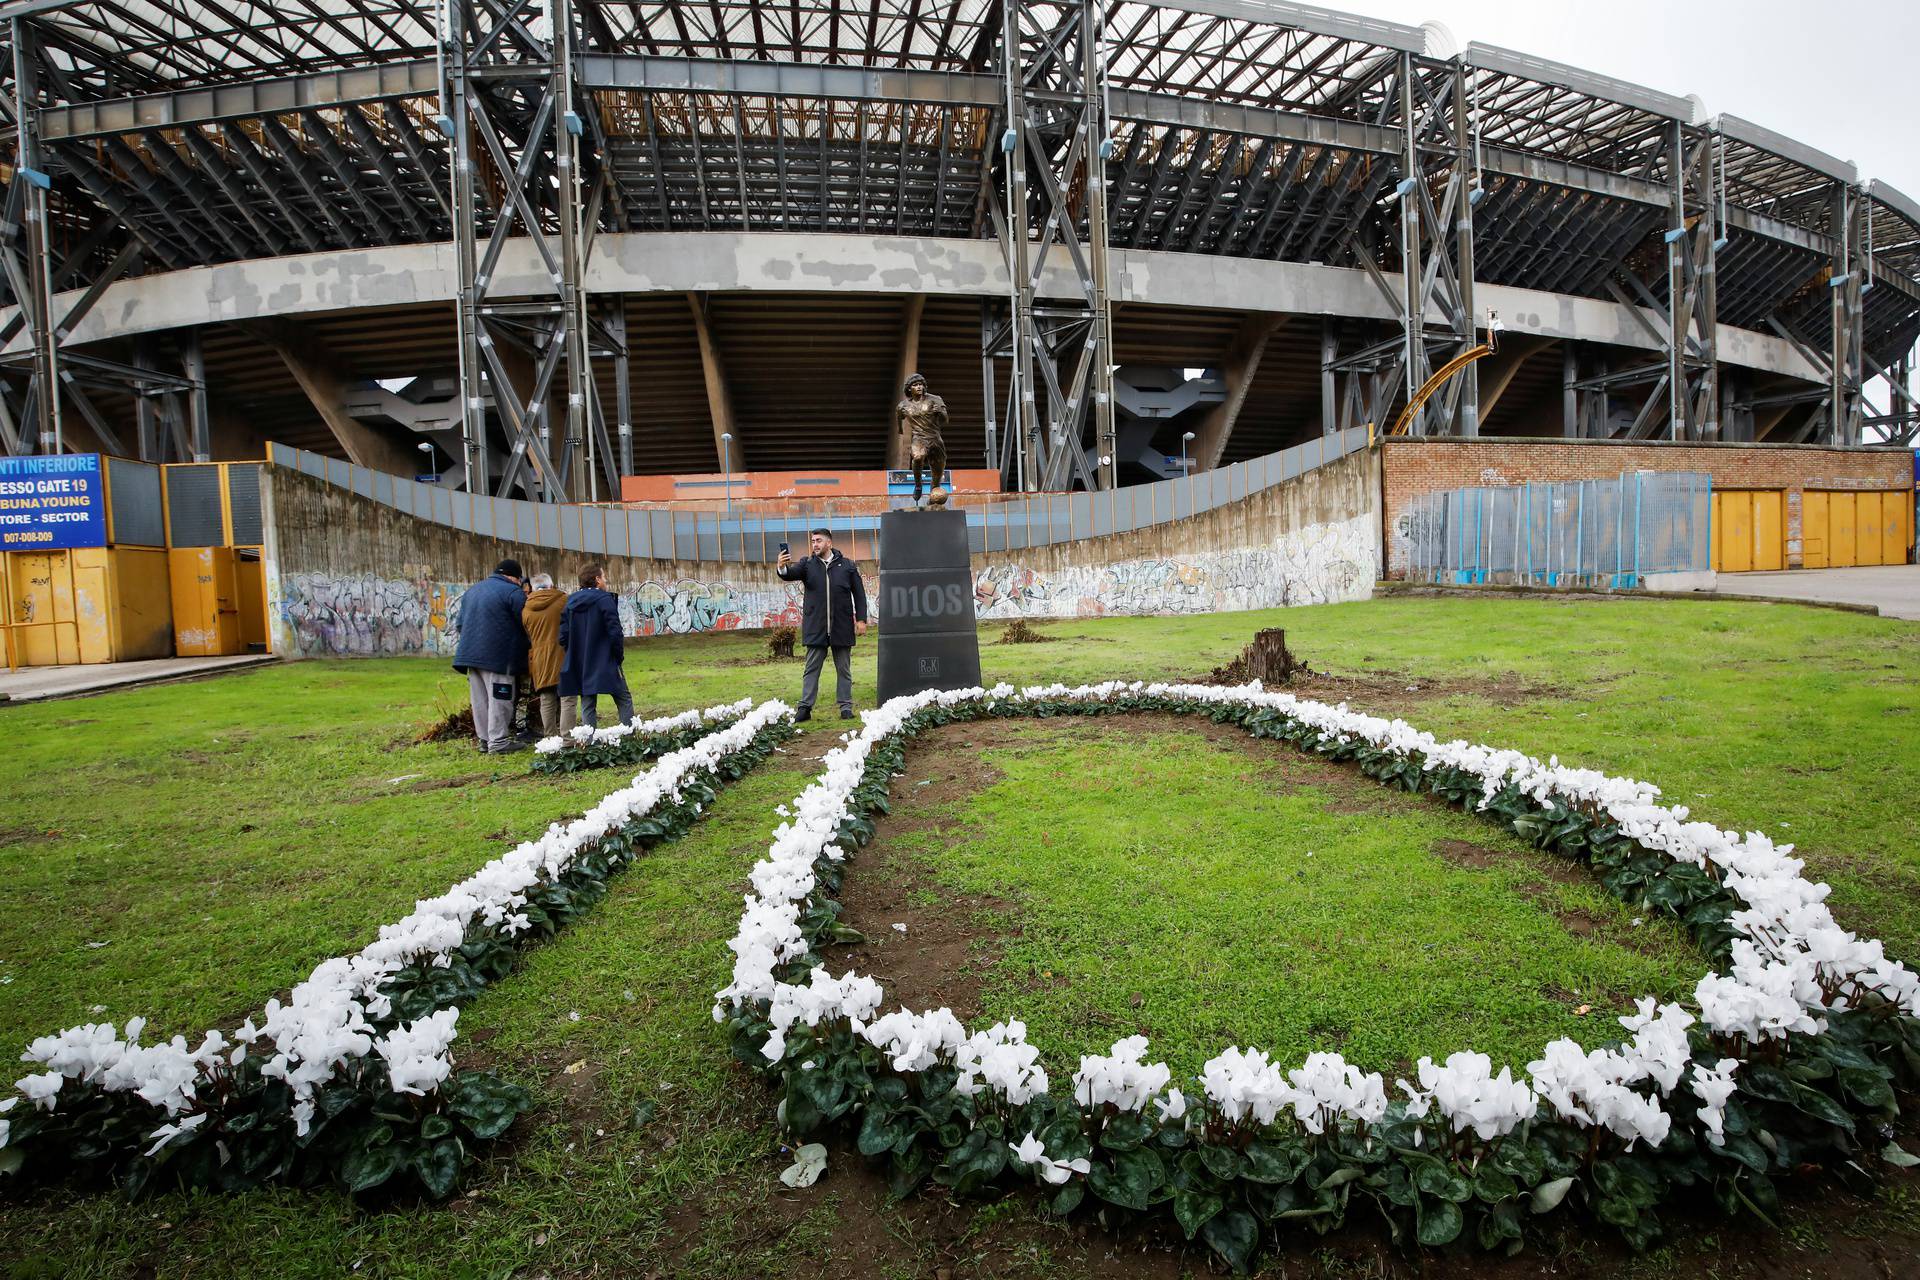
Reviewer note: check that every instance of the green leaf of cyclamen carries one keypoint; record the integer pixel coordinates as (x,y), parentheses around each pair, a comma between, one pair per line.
(1233,1235)
(365,1168)
(1440,1222)
(1194,1209)
(438,1167)
(1867,1086)
(1894,1154)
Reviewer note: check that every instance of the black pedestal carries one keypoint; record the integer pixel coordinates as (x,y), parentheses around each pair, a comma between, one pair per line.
(927,640)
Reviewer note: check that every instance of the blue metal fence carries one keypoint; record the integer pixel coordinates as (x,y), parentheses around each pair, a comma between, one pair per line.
(1595,533)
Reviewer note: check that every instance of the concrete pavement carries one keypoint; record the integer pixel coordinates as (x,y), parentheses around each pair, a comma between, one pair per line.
(34,684)
(1894,589)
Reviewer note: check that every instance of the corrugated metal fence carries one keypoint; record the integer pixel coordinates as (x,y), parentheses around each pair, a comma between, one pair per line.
(1035,520)
(1597,533)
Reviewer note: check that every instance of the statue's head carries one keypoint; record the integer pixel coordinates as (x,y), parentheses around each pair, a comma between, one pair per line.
(916,386)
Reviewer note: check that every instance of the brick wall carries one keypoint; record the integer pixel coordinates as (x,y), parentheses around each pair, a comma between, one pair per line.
(1414,467)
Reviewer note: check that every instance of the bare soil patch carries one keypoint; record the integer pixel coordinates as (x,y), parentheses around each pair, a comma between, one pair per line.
(1463,853)
(443,784)
(1391,692)
(930,947)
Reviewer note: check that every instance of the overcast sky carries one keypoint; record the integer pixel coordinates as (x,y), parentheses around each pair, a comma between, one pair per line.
(1835,74)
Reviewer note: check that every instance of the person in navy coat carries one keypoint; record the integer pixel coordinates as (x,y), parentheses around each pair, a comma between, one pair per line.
(832,613)
(595,647)
(492,653)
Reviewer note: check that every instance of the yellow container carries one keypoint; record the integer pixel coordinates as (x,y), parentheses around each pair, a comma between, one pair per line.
(90,604)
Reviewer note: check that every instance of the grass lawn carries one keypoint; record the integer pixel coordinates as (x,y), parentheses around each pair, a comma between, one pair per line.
(1211,892)
(219,838)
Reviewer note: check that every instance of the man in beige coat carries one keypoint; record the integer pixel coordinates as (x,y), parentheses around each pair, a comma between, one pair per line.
(541,617)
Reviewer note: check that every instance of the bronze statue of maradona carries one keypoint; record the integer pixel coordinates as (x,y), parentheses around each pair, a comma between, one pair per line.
(923,416)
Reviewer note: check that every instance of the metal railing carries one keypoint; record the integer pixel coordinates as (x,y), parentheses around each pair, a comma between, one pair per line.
(1595,533)
(1012,524)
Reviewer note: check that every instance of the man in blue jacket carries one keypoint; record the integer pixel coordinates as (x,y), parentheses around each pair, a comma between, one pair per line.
(492,652)
(595,645)
(832,613)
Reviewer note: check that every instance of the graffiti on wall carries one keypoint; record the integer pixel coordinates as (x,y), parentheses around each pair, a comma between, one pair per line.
(1320,564)
(688,605)
(324,615)
(358,615)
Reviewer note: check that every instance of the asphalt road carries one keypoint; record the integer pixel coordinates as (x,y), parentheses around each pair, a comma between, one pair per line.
(1894,589)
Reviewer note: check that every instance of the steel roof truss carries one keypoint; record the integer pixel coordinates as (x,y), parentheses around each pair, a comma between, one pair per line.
(215,167)
(256,166)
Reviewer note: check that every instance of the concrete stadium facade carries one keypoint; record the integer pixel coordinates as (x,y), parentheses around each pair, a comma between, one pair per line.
(682,238)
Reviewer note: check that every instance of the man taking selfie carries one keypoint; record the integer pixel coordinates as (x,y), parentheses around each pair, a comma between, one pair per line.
(833,613)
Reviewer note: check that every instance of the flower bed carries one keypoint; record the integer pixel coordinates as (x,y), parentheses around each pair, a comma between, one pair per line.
(352,1079)
(1789,1057)
(629,744)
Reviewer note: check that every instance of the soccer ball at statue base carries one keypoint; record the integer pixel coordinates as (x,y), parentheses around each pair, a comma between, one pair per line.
(936,499)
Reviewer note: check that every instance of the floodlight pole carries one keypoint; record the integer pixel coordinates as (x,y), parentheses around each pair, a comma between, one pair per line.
(1413,325)
(1465,186)
(455,122)
(35,291)
(1844,285)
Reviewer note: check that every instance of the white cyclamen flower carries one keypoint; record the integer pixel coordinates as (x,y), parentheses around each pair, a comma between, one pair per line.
(1120,1078)
(43,1090)
(1470,1096)
(168,1132)
(1031,1151)
(1713,1086)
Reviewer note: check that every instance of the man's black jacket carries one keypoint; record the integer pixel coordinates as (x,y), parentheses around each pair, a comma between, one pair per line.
(836,581)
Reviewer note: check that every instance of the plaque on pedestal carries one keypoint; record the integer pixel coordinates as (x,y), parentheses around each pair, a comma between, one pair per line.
(927,640)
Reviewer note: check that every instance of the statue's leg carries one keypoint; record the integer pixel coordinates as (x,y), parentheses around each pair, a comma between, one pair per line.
(937,465)
(919,466)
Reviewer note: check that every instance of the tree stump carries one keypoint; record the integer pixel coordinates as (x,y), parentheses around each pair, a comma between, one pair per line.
(1267,660)
(780,643)
(1018,632)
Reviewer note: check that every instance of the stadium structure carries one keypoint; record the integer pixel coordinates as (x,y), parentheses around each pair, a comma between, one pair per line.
(547,244)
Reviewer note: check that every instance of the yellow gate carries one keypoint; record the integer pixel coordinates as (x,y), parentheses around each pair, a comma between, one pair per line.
(1841,529)
(1747,530)
(206,609)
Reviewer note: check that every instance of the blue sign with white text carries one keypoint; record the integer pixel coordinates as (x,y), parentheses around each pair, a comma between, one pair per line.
(52,502)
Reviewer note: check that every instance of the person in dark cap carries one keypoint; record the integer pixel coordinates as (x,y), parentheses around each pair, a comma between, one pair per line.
(922,416)
(492,654)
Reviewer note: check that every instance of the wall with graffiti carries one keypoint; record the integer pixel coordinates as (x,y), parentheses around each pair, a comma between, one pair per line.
(323,615)
(1319,564)
(686,605)
(347,577)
